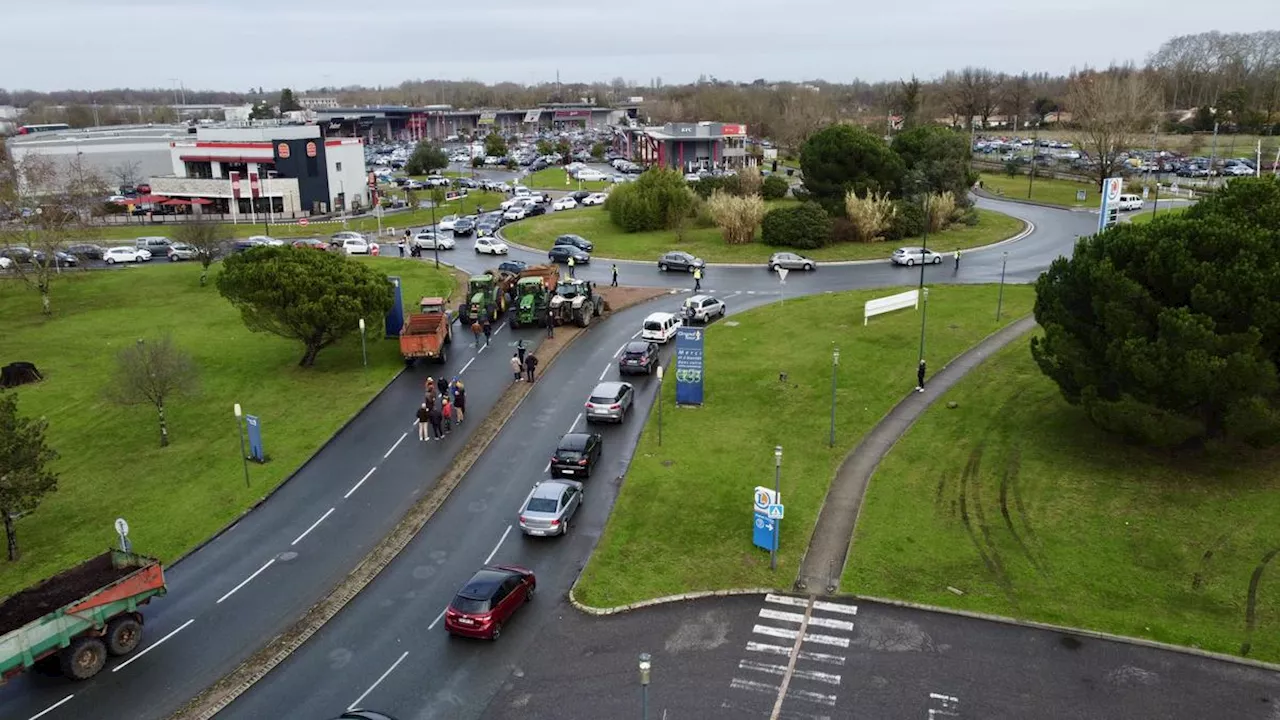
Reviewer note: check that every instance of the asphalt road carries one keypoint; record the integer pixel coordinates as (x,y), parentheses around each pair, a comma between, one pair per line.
(724,659)
(264,580)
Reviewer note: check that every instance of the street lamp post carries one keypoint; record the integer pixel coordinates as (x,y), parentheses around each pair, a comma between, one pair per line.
(435,231)
(646,662)
(835,363)
(777,491)
(659,406)
(924,312)
(1004,261)
(364,353)
(244,457)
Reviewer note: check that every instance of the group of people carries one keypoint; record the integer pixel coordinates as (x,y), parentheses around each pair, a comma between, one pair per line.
(444,403)
(523,364)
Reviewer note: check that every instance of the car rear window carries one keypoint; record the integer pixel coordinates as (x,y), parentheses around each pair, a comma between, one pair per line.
(547,505)
(568,455)
(652,325)
(599,400)
(471,606)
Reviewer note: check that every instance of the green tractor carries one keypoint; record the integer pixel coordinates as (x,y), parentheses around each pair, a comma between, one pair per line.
(484,299)
(575,301)
(531,302)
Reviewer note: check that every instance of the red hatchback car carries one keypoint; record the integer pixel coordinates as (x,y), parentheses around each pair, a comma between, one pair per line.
(488,600)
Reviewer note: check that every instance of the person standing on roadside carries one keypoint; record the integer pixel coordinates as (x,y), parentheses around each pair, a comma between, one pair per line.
(530,367)
(920,369)
(571,264)
(459,400)
(697,279)
(430,397)
(488,331)
(476,329)
(957,259)
(614,283)
(424,423)
(435,418)
(446,413)
(517,366)
(551,325)
(402,242)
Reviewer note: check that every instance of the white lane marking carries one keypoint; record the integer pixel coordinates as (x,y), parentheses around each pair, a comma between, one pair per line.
(633,337)
(619,352)
(501,540)
(52,707)
(835,607)
(606,370)
(770,649)
(753,685)
(378,682)
(547,469)
(771,614)
(822,677)
(313,527)
(786,600)
(495,332)
(246,580)
(808,637)
(387,454)
(814,697)
(482,348)
(356,487)
(464,367)
(575,422)
(144,651)
(948,698)
(433,624)
(791,714)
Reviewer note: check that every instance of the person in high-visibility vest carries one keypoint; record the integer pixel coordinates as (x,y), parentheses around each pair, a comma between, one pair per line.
(697,279)
(571,266)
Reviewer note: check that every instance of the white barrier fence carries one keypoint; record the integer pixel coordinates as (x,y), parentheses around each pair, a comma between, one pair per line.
(879,306)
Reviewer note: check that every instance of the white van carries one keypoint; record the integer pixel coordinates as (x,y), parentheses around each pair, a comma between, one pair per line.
(660,327)
(1129,202)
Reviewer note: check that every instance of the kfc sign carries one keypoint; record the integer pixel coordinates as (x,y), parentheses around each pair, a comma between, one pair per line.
(311,149)
(283,151)
(733,129)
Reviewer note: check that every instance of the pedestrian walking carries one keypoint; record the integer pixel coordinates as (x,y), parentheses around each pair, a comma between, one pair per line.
(920,377)
(488,331)
(424,423)
(957,254)
(476,329)
(442,385)
(446,414)
(697,279)
(517,366)
(614,283)
(551,325)
(521,349)
(459,401)
(571,267)
(436,419)
(530,367)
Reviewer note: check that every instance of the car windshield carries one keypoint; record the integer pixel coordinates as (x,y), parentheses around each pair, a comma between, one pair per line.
(542,505)
(470,606)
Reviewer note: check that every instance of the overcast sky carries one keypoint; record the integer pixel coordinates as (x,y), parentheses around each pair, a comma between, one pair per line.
(238,44)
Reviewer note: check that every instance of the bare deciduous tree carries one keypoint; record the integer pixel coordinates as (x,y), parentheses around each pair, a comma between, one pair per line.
(126,173)
(1111,110)
(153,373)
(209,239)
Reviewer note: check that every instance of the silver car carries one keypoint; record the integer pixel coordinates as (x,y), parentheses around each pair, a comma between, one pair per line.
(915,255)
(790,261)
(182,251)
(550,506)
(610,401)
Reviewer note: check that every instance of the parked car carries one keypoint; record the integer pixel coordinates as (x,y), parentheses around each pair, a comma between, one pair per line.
(577,241)
(18,254)
(512,266)
(680,260)
(579,195)
(562,253)
(491,246)
(550,506)
(577,454)
(358,714)
(447,222)
(489,600)
(338,237)
(5,263)
(790,261)
(310,244)
(86,251)
(240,246)
(639,356)
(182,251)
(125,254)
(610,401)
(156,246)
(429,240)
(534,210)
(464,226)
(703,308)
(595,199)
(913,255)
(354,246)
(468,183)
(268,240)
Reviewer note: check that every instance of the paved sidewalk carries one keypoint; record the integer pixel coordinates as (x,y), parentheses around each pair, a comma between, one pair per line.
(824,560)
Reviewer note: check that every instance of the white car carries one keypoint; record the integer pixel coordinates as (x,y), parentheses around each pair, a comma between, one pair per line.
(692,177)
(564,203)
(428,240)
(355,246)
(5,263)
(125,254)
(515,212)
(341,235)
(267,240)
(447,222)
(513,202)
(589,175)
(595,199)
(491,246)
(915,255)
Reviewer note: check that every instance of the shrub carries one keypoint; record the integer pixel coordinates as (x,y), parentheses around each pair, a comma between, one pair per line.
(658,200)
(1011,168)
(737,217)
(707,185)
(870,215)
(774,187)
(750,181)
(970,217)
(805,226)
(908,221)
(841,158)
(942,210)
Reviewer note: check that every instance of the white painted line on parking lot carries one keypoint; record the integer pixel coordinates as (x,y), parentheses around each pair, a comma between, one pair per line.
(771,614)
(808,637)
(835,607)
(786,600)
(313,526)
(501,540)
(387,454)
(246,580)
(435,622)
(770,649)
(464,367)
(356,487)
(575,422)
(606,370)
(52,707)
(378,682)
(147,649)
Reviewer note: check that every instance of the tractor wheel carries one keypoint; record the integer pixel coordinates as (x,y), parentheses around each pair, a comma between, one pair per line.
(444,355)
(84,658)
(123,635)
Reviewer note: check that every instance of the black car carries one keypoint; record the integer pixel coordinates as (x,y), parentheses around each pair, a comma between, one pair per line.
(680,260)
(468,183)
(240,246)
(535,210)
(464,226)
(577,454)
(487,227)
(638,357)
(512,266)
(18,254)
(60,258)
(575,241)
(86,251)
(562,253)
(579,195)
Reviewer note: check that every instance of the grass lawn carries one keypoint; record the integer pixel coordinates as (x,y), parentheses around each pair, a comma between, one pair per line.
(682,520)
(593,223)
(365,224)
(1053,192)
(111,462)
(1018,501)
(1145,216)
(552,178)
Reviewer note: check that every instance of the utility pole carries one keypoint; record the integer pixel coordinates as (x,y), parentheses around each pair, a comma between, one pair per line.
(1213,153)
(1035,150)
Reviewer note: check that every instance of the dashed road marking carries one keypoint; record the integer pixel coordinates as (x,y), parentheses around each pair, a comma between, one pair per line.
(52,707)
(501,540)
(378,682)
(356,487)
(387,454)
(783,670)
(246,581)
(313,527)
(145,650)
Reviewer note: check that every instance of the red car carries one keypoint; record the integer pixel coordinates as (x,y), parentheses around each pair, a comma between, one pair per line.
(488,600)
(311,243)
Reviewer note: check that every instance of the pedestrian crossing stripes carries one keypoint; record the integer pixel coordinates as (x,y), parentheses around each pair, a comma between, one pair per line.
(808,637)
(770,614)
(769,649)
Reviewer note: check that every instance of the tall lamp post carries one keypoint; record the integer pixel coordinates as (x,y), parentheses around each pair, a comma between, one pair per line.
(924,251)
(244,457)
(659,406)
(364,353)
(435,231)
(646,661)
(1004,261)
(777,491)
(835,363)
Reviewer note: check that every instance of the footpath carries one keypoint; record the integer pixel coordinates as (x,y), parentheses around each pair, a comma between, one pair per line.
(824,561)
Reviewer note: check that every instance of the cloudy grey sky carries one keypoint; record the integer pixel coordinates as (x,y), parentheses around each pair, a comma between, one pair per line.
(237,44)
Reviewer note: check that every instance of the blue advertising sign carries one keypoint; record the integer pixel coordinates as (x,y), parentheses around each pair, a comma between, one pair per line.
(688,366)
(764,531)
(395,316)
(255,438)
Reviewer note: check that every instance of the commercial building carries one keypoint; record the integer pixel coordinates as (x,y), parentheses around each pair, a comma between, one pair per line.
(688,147)
(282,169)
(440,122)
(121,154)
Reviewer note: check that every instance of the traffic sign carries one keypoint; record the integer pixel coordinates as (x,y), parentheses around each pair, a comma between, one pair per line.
(122,527)
(775,511)
(303,222)
(782,274)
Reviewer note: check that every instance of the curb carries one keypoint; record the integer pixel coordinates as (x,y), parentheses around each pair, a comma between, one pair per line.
(664,600)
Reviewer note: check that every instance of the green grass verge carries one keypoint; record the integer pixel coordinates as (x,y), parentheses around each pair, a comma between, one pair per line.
(364,224)
(1145,216)
(593,223)
(682,521)
(112,465)
(1077,528)
(1052,192)
(552,178)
